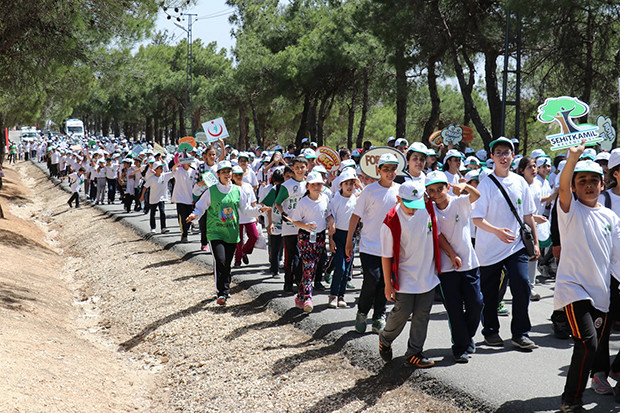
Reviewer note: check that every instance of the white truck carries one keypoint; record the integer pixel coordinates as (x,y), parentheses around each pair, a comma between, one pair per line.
(74,128)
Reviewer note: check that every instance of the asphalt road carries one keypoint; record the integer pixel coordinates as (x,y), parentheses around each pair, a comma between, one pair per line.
(495,379)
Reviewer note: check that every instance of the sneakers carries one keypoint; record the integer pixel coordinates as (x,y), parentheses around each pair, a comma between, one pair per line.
(614,375)
(245,259)
(153,231)
(419,361)
(524,343)
(502,310)
(471,348)
(534,296)
(237,265)
(221,300)
(333,301)
(462,359)
(204,248)
(378,324)
(165,230)
(493,340)
(360,322)
(350,286)
(308,307)
(385,351)
(600,385)
(341,302)
(299,303)
(571,408)
(184,239)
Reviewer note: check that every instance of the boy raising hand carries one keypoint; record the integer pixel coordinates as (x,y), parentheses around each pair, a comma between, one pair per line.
(590,236)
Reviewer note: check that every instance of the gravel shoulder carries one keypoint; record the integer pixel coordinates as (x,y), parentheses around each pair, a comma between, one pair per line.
(93,315)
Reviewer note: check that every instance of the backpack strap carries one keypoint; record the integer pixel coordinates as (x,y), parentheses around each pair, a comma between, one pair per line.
(393,223)
(436,250)
(607,199)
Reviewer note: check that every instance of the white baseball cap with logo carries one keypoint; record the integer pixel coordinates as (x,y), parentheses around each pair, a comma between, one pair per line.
(412,194)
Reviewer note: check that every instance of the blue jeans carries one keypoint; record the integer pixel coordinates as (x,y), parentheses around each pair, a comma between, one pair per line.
(342,267)
(517,269)
(463,302)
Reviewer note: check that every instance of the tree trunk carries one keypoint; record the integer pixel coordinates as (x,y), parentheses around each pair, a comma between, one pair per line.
(466,90)
(366,85)
(149,129)
(302,132)
(401,91)
(243,130)
(105,126)
(324,111)
(312,119)
(588,77)
(493,97)
(156,136)
(351,115)
(431,123)
(257,129)
(182,131)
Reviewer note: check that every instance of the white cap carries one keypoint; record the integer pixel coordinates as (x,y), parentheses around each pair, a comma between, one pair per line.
(543,160)
(436,177)
(314,177)
(482,155)
(223,165)
(348,173)
(237,169)
(472,175)
(561,166)
(390,139)
(602,156)
(472,160)
(537,153)
(309,153)
(614,159)
(452,153)
(401,141)
(412,194)
(304,140)
(388,158)
(320,169)
(418,147)
(347,163)
(588,166)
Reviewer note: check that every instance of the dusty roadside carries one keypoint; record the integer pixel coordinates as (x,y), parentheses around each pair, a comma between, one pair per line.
(94,318)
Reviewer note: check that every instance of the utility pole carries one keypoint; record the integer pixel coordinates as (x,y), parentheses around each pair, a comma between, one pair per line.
(191,17)
(512,45)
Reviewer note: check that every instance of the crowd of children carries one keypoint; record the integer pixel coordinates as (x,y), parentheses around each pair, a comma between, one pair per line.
(464,225)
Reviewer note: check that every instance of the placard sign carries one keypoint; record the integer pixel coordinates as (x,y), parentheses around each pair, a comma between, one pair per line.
(137,150)
(369,163)
(187,143)
(209,178)
(215,129)
(171,148)
(563,110)
(328,157)
(158,148)
(201,137)
(606,131)
(451,135)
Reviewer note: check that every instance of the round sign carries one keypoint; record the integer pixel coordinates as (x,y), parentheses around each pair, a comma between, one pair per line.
(435,139)
(369,163)
(328,157)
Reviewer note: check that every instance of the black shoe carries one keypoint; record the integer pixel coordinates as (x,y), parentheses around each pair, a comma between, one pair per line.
(571,408)
(70,204)
(462,358)
(494,340)
(419,361)
(245,259)
(385,351)
(524,343)
(319,287)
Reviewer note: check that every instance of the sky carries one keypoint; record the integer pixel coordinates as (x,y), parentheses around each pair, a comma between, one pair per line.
(211,24)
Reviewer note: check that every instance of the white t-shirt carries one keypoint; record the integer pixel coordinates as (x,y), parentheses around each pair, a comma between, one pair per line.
(111,171)
(159,187)
(421,178)
(416,263)
(251,196)
(341,209)
(493,207)
(292,190)
(75,181)
(183,185)
(373,204)
(615,201)
(250,177)
(590,252)
(453,222)
(309,210)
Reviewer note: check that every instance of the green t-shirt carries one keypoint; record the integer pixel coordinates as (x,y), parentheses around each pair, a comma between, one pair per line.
(223,215)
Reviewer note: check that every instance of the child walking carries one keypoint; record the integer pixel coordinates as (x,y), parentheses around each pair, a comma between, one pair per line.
(409,273)
(157,183)
(590,237)
(310,216)
(76,179)
(460,286)
(341,208)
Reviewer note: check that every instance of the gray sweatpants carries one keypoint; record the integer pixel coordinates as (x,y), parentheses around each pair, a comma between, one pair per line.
(101,184)
(405,304)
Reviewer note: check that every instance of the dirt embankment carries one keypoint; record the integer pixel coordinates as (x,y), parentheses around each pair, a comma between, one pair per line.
(95,319)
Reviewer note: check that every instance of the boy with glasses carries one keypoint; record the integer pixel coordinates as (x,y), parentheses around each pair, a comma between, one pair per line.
(496,221)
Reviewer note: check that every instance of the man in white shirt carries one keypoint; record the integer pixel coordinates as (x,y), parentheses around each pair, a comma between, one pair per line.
(499,246)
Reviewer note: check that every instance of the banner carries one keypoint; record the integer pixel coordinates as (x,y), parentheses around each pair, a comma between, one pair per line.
(158,148)
(563,110)
(369,163)
(215,129)
(328,157)
(137,150)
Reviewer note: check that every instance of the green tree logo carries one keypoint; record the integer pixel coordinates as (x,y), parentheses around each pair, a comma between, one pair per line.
(562,110)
